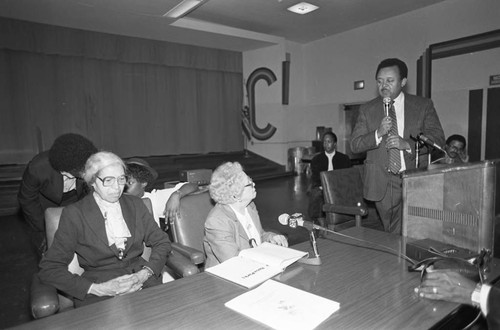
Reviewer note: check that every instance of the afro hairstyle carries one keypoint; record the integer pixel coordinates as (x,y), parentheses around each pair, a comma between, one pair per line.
(140,173)
(70,152)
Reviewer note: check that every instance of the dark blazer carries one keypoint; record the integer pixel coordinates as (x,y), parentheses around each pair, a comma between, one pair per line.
(493,316)
(319,163)
(420,117)
(42,187)
(225,237)
(82,231)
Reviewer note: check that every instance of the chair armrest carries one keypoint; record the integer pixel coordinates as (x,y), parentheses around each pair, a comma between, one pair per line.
(352,210)
(44,299)
(181,265)
(197,257)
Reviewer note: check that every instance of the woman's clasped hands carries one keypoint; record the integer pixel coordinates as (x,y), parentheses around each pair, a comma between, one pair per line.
(121,285)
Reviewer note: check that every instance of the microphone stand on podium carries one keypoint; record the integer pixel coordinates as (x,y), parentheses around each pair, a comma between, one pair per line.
(418,145)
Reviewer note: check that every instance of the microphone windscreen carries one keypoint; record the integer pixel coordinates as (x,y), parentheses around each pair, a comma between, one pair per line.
(283,219)
(387,100)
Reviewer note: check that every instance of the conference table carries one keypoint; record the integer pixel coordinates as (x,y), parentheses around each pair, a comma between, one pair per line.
(372,284)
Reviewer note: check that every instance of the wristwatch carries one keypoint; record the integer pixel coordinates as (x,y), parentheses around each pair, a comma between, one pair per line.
(476,296)
(149,270)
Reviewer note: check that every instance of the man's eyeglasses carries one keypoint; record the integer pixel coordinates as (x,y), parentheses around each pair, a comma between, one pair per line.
(110,180)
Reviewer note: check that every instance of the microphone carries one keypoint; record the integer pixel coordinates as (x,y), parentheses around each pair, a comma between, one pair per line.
(297,219)
(387,104)
(428,141)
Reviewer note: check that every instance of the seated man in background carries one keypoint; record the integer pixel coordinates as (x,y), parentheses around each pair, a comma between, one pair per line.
(53,178)
(328,160)
(456,152)
(165,201)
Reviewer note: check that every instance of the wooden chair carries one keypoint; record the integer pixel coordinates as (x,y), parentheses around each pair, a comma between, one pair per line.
(188,229)
(343,194)
(46,300)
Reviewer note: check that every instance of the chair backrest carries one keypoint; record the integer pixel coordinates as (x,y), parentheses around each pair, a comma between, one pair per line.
(189,227)
(343,187)
(52,217)
(149,204)
(146,254)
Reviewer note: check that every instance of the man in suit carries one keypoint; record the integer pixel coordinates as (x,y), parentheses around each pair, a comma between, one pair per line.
(452,286)
(53,178)
(328,160)
(411,115)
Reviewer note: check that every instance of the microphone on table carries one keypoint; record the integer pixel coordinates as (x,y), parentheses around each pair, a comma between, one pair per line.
(429,142)
(387,105)
(297,220)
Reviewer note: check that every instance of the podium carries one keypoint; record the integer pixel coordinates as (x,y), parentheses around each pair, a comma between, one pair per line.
(453,204)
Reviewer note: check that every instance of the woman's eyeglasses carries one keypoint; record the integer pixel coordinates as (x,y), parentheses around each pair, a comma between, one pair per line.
(110,180)
(250,184)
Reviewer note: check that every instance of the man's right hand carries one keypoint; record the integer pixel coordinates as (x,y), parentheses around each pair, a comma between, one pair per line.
(385,126)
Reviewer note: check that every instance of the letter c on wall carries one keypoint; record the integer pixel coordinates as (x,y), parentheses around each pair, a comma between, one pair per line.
(258,74)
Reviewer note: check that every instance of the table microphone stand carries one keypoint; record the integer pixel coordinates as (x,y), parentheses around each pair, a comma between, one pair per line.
(316,261)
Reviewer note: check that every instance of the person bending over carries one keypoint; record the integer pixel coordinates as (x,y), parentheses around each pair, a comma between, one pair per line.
(233,224)
(107,230)
(51,179)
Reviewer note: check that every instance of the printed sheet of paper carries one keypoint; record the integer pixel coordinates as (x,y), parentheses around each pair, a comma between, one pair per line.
(280,306)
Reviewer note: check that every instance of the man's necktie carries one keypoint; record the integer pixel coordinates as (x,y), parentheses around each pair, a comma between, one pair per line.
(394,154)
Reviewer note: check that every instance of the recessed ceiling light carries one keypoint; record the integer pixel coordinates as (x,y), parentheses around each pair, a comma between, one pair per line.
(302,8)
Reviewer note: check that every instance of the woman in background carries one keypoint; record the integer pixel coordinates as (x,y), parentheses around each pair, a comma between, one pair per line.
(233,224)
(107,230)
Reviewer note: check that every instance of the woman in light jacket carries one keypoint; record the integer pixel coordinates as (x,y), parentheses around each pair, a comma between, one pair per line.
(233,224)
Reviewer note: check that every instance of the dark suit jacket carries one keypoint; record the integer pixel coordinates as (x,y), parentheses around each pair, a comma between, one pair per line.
(225,237)
(42,187)
(420,117)
(493,316)
(320,163)
(82,231)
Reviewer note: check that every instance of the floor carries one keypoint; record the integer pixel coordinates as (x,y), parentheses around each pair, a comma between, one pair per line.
(17,263)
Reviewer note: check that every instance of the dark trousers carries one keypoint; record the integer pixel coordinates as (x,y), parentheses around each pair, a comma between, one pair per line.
(390,207)
(316,201)
(37,241)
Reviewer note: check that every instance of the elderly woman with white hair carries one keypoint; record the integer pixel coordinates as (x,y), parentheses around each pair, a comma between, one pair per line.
(233,224)
(107,230)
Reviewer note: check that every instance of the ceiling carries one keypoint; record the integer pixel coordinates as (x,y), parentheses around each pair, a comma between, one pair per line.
(238,25)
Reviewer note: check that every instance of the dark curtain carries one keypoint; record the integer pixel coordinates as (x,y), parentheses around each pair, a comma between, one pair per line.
(132,96)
